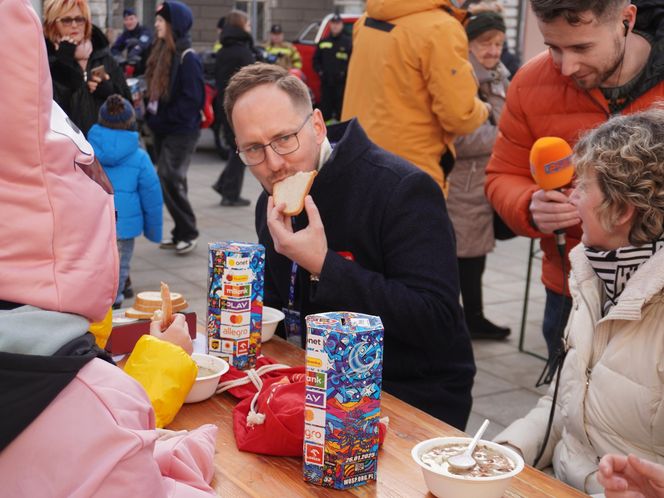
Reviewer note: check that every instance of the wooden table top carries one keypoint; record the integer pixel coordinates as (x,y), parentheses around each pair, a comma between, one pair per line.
(247,474)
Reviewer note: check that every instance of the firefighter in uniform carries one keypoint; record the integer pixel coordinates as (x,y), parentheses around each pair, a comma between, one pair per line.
(285,54)
(331,63)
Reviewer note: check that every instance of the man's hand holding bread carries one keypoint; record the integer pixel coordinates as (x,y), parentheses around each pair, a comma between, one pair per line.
(308,246)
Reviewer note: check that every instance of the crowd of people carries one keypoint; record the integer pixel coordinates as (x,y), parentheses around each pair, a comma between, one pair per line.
(431,159)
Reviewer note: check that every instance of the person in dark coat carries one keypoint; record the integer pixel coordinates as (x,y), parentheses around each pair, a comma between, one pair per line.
(331,63)
(135,39)
(374,238)
(176,94)
(75,47)
(237,50)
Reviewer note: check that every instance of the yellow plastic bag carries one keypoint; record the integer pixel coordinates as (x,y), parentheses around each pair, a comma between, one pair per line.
(102,330)
(166,372)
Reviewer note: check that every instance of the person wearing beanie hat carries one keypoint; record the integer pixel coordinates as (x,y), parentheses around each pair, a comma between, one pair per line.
(117,113)
(482,22)
(137,192)
(284,53)
(133,43)
(176,94)
(471,213)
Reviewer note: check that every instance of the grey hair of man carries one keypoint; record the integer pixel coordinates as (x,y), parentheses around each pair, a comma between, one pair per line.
(255,75)
(626,156)
(572,10)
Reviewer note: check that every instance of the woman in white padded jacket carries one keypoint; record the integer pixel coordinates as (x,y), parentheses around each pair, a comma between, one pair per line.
(611,395)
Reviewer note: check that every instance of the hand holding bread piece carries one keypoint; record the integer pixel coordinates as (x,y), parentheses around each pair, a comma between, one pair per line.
(292,191)
(166,307)
(176,333)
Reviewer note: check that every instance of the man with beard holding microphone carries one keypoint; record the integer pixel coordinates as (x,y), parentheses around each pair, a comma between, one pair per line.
(604,58)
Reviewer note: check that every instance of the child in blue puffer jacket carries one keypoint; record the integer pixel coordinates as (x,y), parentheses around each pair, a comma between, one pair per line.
(138,198)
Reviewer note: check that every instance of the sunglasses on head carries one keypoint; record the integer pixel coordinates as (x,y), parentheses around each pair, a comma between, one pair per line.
(67,21)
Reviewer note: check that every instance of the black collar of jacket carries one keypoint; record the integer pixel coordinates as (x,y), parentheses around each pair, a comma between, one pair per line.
(29,383)
(235,36)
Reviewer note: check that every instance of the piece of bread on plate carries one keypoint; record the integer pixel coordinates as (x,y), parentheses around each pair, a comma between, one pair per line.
(293,190)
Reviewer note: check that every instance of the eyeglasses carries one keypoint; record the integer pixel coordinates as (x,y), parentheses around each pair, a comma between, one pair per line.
(68,21)
(284,145)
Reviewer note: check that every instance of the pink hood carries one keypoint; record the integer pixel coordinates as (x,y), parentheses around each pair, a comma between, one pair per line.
(57,227)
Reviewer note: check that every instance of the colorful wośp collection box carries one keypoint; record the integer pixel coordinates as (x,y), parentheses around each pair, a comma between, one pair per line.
(235,301)
(344,365)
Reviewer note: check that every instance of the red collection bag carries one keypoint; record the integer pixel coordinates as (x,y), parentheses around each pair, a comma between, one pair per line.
(269,419)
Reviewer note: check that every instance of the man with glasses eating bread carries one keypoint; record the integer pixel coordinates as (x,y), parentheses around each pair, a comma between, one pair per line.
(374,237)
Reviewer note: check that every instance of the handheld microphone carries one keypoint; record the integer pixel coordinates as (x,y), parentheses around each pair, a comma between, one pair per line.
(552,168)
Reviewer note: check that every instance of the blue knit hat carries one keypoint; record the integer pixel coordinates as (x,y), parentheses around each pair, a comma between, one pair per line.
(117,113)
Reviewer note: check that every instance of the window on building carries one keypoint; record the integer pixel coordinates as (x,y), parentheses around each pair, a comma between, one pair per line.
(350,6)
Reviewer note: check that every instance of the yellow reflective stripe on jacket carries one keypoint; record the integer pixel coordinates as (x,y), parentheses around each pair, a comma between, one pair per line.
(325,44)
(342,55)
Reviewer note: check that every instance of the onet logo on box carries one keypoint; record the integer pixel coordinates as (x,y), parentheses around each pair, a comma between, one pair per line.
(239,263)
(315,342)
(316,379)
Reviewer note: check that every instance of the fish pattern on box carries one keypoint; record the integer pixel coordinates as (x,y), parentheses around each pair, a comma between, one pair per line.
(235,301)
(344,362)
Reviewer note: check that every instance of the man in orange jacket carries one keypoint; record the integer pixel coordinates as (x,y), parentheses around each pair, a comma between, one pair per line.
(410,83)
(603,59)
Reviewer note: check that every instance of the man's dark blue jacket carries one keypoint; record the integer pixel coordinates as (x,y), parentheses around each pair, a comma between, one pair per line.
(391,216)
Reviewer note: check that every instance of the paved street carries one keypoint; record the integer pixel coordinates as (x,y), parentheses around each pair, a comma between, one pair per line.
(504,385)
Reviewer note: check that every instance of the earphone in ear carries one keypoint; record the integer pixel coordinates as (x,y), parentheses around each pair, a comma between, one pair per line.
(626,24)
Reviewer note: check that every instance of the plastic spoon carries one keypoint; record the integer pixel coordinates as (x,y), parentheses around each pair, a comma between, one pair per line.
(465,460)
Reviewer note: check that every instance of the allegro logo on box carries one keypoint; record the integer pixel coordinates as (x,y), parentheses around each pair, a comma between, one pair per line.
(235,332)
(314,434)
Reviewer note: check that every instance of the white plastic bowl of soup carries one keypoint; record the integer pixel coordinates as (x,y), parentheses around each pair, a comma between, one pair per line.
(210,370)
(271,318)
(495,468)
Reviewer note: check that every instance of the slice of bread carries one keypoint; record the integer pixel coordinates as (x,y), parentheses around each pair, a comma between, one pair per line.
(293,190)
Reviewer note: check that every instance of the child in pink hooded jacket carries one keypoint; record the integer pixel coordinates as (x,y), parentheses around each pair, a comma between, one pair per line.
(71,423)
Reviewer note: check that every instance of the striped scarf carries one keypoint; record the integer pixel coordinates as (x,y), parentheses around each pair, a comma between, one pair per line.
(614,268)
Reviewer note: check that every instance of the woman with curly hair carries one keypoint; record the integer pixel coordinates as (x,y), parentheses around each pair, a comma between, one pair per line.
(176,94)
(83,71)
(610,397)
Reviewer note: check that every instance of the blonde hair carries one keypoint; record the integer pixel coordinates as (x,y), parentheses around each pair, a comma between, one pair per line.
(626,154)
(54,9)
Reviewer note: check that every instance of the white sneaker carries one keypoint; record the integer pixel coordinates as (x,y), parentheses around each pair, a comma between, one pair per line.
(185,246)
(167,244)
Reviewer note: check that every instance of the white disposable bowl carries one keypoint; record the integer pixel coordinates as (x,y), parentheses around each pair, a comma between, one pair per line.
(445,485)
(271,318)
(204,387)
